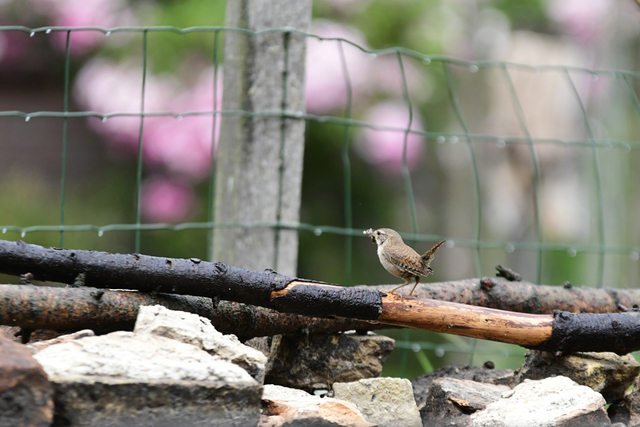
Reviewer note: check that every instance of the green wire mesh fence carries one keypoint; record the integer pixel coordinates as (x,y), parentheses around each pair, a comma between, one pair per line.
(605,147)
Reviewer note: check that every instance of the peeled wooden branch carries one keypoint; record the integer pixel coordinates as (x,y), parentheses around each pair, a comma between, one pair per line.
(561,332)
(72,309)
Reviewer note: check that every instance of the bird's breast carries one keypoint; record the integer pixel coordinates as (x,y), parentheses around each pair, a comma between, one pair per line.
(388,265)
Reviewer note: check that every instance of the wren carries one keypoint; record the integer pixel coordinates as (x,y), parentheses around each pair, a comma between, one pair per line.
(399,259)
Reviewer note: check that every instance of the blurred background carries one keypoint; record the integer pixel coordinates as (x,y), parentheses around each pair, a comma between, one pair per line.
(523,143)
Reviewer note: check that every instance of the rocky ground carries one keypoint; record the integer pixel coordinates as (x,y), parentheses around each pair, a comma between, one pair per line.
(176,369)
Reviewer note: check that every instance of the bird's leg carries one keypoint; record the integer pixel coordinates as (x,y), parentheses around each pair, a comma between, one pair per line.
(406,282)
(414,286)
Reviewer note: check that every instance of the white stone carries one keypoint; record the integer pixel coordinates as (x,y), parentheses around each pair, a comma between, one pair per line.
(196,330)
(139,357)
(382,401)
(542,404)
(278,392)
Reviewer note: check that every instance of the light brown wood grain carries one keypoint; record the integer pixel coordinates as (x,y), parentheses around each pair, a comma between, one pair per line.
(528,330)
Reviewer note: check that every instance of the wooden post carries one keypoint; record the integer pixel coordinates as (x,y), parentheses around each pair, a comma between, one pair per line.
(259,172)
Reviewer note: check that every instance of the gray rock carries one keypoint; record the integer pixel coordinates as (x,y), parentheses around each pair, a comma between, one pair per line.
(451,401)
(283,406)
(383,401)
(196,330)
(606,373)
(26,396)
(114,402)
(551,402)
(124,379)
(317,361)
(627,410)
(480,374)
(268,346)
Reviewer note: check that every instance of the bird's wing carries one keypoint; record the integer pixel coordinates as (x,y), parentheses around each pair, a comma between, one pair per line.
(404,264)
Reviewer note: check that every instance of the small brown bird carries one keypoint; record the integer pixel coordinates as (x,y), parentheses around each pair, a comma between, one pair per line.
(399,259)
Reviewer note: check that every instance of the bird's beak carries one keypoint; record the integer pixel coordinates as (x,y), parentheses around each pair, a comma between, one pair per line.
(369,233)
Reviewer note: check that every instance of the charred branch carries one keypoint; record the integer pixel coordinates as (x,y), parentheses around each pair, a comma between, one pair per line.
(72,309)
(616,332)
(200,278)
(562,332)
(140,272)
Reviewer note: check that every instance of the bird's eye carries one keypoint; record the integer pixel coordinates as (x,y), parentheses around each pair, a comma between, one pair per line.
(378,233)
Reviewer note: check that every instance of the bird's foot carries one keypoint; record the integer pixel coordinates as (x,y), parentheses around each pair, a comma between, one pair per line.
(392,291)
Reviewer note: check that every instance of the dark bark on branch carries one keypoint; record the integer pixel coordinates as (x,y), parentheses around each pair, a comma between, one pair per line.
(561,332)
(616,332)
(72,309)
(195,277)
(180,276)
(140,272)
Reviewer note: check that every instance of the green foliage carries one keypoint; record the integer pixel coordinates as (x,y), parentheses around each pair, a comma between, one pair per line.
(525,14)
(168,51)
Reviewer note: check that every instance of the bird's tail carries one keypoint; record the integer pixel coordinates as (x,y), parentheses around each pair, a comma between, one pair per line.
(428,256)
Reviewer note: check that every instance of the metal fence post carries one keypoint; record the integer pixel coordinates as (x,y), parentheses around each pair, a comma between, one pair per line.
(259,171)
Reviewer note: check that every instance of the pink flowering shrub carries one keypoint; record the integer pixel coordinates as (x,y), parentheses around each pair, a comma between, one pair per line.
(83,13)
(106,87)
(326,88)
(370,77)
(183,146)
(178,146)
(385,148)
(584,20)
(166,200)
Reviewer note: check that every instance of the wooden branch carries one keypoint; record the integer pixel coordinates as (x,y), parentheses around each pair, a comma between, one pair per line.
(72,309)
(527,330)
(140,272)
(195,277)
(525,297)
(560,332)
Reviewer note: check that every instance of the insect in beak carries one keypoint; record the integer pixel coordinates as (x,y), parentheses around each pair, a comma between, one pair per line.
(370,233)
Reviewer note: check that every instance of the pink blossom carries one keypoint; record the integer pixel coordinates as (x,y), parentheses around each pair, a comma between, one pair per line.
(326,88)
(83,13)
(386,77)
(384,148)
(166,200)
(106,87)
(584,20)
(184,145)
(181,145)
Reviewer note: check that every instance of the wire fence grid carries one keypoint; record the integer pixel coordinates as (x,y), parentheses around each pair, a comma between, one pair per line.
(590,140)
